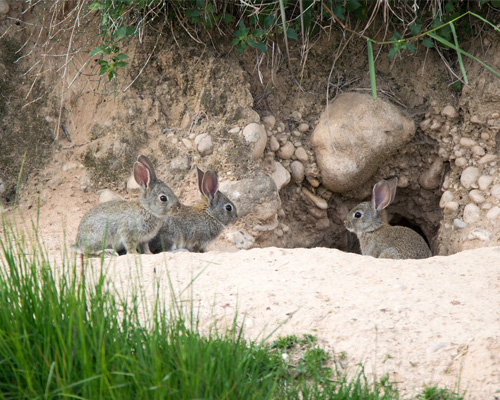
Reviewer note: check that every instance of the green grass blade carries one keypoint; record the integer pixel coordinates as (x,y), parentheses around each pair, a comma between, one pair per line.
(451,45)
(460,61)
(371,67)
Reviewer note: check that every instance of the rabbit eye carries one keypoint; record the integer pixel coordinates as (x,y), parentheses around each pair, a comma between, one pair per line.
(358,214)
(229,207)
(163,198)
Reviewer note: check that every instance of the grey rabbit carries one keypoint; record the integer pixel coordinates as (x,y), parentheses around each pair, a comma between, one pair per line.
(126,226)
(377,238)
(194,227)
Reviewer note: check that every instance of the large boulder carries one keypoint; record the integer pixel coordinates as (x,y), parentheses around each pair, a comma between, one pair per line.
(356,137)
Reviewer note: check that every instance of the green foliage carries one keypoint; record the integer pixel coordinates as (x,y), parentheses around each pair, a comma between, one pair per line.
(246,37)
(435,393)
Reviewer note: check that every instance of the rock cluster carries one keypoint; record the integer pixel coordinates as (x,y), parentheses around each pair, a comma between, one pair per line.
(471,190)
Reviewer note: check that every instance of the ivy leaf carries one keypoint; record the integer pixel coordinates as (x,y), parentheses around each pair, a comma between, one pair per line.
(97,6)
(241,48)
(269,21)
(392,52)
(96,51)
(124,31)
(339,12)
(261,46)
(290,32)
(428,42)
(415,29)
(411,48)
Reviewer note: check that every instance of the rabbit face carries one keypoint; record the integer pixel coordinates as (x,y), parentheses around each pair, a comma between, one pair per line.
(161,200)
(223,209)
(363,218)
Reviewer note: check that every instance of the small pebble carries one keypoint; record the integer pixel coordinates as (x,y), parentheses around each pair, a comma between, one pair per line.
(484,182)
(286,151)
(451,207)
(469,177)
(467,142)
(482,235)
(493,213)
(303,127)
(301,154)
(495,191)
(446,197)
(449,112)
(317,201)
(187,143)
(487,158)
(475,120)
(273,143)
(459,223)
(313,181)
(269,121)
(461,162)
(476,196)
(472,213)
(234,130)
(280,176)
(478,151)
(298,171)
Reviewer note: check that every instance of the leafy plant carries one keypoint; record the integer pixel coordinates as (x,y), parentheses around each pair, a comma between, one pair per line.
(246,37)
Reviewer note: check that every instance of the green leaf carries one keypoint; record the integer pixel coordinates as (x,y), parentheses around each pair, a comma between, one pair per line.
(290,32)
(392,52)
(353,5)
(227,18)
(269,21)
(257,33)
(121,56)
(449,7)
(104,69)
(235,41)
(111,74)
(428,42)
(395,37)
(123,31)
(96,51)
(121,64)
(97,6)
(339,12)
(251,43)
(415,29)
(411,48)
(261,46)
(241,48)
(193,13)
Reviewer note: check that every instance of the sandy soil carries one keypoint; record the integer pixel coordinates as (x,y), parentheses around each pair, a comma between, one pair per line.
(423,322)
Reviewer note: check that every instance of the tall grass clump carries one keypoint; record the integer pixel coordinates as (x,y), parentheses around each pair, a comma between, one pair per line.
(65,334)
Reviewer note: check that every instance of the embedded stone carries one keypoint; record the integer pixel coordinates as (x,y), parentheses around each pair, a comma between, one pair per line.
(354,136)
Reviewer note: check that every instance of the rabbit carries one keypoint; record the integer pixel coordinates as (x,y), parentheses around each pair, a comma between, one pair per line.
(193,228)
(377,238)
(124,226)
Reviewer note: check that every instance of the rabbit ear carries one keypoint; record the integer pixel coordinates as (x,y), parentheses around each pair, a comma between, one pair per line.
(149,165)
(382,195)
(142,175)
(201,174)
(393,184)
(210,185)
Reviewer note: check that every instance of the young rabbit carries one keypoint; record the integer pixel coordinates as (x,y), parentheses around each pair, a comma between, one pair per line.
(377,238)
(121,225)
(193,228)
